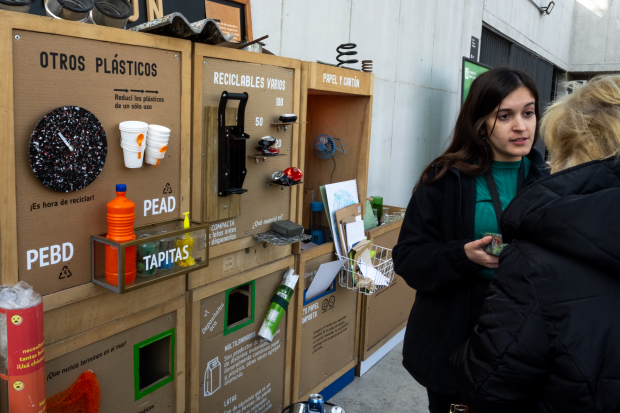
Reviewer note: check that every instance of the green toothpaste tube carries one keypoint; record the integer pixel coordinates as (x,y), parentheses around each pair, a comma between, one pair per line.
(279,304)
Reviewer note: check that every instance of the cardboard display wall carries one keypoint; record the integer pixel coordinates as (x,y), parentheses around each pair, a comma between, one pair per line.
(326,328)
(386,312)
(110,352)
(336,102)
(40,77)
(272,84)
(230,368)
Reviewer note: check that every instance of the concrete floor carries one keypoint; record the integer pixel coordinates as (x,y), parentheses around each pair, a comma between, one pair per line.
(386,387)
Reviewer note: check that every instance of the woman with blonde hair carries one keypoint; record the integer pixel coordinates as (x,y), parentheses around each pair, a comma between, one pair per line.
(548,335)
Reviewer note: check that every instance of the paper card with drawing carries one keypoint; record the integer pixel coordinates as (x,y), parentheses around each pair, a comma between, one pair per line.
(340,195)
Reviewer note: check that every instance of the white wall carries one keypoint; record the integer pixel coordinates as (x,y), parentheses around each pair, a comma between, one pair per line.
(416,47)
(595,45)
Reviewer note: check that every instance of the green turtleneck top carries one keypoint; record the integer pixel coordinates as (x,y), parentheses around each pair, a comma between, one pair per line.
(505,175)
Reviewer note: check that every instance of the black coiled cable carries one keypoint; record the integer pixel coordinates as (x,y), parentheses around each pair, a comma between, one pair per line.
(341,52)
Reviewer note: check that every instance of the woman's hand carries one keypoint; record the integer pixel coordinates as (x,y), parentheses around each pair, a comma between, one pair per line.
(476,254)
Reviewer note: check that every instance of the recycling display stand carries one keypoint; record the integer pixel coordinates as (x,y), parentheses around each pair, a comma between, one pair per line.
(326,329)
(229,367)
(336,102)
(139,361)
(384,314)
(49,64)
(272,85)
(45,234)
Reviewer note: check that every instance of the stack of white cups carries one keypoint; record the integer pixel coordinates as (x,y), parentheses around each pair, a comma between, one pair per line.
(133,142)
(157,139)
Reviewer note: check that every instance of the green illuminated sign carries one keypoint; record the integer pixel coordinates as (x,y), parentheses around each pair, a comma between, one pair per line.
(471,71)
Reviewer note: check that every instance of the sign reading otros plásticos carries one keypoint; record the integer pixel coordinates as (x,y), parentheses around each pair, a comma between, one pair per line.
(115,66)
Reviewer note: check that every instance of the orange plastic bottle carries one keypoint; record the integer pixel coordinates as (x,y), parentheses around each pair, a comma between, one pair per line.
(121,216)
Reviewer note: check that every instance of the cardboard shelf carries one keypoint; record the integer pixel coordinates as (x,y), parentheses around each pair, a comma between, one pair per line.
(162,252)
(257,157)
(282,186)
(280,124)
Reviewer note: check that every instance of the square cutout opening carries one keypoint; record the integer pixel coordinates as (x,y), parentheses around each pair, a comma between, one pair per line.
(239,307)
(153,363)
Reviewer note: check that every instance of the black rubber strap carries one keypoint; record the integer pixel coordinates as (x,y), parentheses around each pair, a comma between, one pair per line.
(280,301)
(497,204)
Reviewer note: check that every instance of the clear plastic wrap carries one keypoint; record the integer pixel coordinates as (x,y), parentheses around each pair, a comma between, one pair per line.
(19,296)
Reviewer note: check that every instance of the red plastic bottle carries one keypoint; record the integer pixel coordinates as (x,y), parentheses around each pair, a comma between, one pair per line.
(121,216)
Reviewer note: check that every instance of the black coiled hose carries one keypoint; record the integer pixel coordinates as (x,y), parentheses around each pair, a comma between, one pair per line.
(341,52)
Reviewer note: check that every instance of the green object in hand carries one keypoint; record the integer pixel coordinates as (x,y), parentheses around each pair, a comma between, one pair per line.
(496,246)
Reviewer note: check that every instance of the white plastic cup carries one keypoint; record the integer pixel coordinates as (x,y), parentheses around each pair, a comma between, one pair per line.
(155,153)
(156,142)
(152,157)
(133,125)
(133,156)
(131,131)
(159,130)
(158,133)
(157,147)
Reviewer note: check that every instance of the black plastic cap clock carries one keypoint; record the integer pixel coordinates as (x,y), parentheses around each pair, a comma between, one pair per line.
(68,149)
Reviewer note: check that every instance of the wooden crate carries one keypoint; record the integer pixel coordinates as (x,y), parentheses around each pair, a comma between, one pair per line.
(236,218)
(386,312)
(50,63)
(227,364)
(336,102)
(326,328)
(116,351)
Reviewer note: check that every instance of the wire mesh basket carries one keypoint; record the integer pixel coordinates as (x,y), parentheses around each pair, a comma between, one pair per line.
(368,278)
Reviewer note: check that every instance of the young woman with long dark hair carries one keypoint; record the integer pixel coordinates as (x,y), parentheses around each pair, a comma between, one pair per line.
(460,197)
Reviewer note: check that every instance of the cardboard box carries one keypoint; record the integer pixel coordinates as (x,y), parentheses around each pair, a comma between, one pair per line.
(337,102)
(139,360)
(326,328)
(53,63)
(229,368)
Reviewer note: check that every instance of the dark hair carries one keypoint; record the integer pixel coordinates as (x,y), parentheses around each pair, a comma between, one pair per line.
(486,93)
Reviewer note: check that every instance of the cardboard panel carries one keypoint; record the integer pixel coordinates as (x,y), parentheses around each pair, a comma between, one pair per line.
(112,360)
(259,206)
(238,261)
(239,372)
(47,218)
(334,79)
(386,310)
(328,333)
(339,117)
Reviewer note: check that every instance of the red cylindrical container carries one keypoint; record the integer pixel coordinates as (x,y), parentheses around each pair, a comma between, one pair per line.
(22,373)
(121,216)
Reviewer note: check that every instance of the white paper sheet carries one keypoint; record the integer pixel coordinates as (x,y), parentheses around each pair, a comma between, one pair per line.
(324,277)
(308,245)
(355,233)
(340,195)
(371,272)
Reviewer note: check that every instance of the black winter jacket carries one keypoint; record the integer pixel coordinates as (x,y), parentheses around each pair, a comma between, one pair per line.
(431,258)
(548,338)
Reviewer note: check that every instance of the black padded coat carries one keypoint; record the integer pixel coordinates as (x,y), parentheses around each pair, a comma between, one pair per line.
(548,338)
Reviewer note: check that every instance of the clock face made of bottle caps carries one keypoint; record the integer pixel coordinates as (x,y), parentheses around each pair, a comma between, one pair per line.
(68,149)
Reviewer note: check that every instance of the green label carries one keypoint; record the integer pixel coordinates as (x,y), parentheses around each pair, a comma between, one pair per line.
(471,72)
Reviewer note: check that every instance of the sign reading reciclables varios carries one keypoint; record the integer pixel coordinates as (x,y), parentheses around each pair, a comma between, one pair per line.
(470,73)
